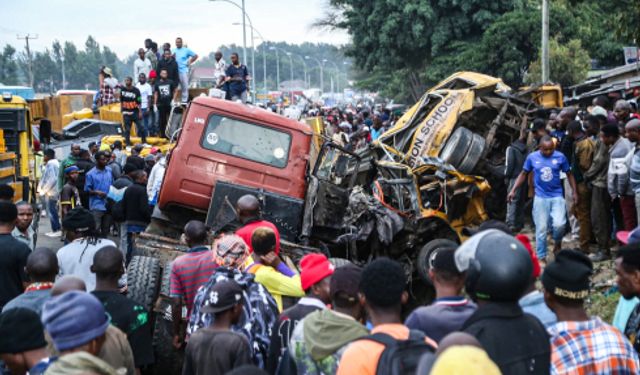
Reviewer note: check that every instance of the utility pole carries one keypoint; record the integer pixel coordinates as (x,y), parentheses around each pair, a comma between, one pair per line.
(545,41)
(244,34)
(29,57)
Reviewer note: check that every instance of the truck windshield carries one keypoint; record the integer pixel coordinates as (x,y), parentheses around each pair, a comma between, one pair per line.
(246,140)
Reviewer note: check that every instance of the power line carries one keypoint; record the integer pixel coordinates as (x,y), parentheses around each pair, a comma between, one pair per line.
(29,57)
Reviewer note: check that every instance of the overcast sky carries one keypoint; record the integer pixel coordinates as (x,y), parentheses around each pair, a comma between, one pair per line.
(124,24)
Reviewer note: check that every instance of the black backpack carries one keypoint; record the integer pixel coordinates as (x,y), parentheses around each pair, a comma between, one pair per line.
(400,357)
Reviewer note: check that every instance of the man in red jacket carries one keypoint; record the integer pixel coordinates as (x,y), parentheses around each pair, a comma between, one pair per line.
(248,210)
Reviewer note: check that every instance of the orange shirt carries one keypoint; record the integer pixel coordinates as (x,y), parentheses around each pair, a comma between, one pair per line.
(361,356)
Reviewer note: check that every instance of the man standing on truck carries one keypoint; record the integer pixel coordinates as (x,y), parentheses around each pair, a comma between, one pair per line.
(548,203)
(163,93)
(146,93)
(141,65)
(130,101)
(237,76)
(184,57)
(248,210)
(169,64)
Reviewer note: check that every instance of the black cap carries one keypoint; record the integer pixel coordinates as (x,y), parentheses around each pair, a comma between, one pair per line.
(223,296)
(79,220)
(569,275)
(443,259)
(537,124)
(345,281)
(20,331)
(630,254)
(610,130)
(129,167)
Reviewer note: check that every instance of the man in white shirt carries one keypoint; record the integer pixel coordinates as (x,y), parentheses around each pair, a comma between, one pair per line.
(219,68)
(146,92)
(48,189)
(141,65)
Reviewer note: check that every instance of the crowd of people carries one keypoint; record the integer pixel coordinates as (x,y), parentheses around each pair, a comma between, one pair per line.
(147,102)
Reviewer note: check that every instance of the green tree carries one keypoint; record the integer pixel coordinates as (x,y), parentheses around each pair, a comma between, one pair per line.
(568,63)
(8,66)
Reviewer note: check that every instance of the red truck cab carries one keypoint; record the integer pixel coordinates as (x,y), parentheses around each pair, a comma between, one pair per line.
(225,150)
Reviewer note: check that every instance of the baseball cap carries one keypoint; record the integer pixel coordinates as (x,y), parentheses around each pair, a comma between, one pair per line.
(223,296)
(629,237)
(20,331)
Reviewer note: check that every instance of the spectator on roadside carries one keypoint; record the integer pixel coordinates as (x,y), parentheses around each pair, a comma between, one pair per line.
(583,153)
(217,349)
(155,180)
(77,322)
(93,148)
(320,339)
(532,300)
(237,77)
(22,345)
(85,164)
(113,165)
(620,191)
(98,182)
(146,96)
(83,363)
(164,93)
(169,64)
(269,270)
(184,57)
(376,129)
(249,215)
(120,156)
(6,193)
(548,203)
(450,309)
(315,279)
(259,309)
(633,135)
(219,68)
(596,177)
(627,266)
(76,257)
(382,287)
(13,279)
(152,129)
(141,65)
(135,204)
(108,84)
(515,156)
(48,189)
(24,230)
(149,52)
(538,130)
(135,158)
(129,316)
(498,272)
(130,101)
(580,344)
(70,160)
(149,162)
(188,273)
(622,113)
(41,269)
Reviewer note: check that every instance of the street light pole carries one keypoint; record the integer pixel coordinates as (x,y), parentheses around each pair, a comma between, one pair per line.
(545,41)
(244,33)
(290,65)
(321,73)
(273,48)
(336,74)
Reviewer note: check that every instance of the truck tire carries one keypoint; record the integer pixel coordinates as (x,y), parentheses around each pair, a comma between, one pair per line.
(168,360)
(473,155)
(143,280)
(425,253)
(456,147)
(339,262)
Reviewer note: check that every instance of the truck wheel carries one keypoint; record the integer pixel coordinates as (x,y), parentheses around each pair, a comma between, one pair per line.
(425,253)
(168,360)
(143,280)
(474,152)
(339,262)
(456,147)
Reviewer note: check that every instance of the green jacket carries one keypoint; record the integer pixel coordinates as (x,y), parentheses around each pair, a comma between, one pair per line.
(69,161)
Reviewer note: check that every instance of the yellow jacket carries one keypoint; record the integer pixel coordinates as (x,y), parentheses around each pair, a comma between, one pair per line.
(276,283)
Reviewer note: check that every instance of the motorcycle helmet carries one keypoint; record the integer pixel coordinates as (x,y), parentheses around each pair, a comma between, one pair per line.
(498,266)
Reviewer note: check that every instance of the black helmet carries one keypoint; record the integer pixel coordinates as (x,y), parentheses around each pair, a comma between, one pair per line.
(498,266)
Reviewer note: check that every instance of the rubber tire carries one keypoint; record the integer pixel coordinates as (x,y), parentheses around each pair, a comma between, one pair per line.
(422,262)
(339,262)
(143,280)
(456,147)
(473,155)
(168,360)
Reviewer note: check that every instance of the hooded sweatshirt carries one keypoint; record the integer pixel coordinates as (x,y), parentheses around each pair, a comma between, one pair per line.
(318,342)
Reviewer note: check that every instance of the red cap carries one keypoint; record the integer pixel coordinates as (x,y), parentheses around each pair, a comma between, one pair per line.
(314,268)
(524,240)
(154,150)
(152,74)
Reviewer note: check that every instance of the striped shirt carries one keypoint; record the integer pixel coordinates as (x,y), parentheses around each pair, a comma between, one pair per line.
(189,272)
(591,347)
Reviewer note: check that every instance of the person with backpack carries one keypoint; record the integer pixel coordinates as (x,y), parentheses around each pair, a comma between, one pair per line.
(498,271)
(391,348)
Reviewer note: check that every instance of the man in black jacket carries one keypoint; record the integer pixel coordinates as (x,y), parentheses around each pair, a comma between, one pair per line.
(498,269)
(135,205)
(169,64)
(516,154)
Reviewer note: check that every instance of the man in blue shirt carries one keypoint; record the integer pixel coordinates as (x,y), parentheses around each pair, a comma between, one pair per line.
(184,57)
(548,203)
(97,184)
(237,76)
